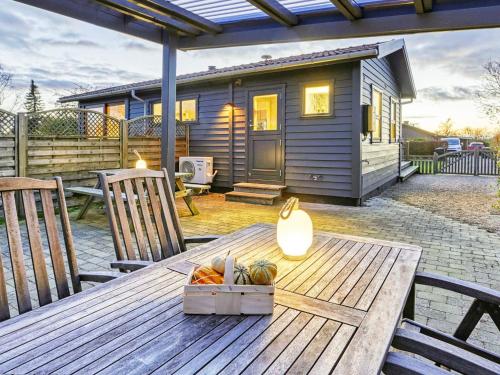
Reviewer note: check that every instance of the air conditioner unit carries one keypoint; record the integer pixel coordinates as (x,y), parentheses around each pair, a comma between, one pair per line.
(201,169)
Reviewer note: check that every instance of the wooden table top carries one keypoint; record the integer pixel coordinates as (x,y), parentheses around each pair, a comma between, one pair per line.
(335,311)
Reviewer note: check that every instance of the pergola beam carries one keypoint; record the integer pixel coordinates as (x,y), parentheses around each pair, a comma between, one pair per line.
(423,6)
(96,14)
(276,11)
(168,9)
(377,21)
(348,8)
(123,6)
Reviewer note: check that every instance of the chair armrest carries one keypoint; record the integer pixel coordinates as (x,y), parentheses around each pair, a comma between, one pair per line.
(100,276)
(201,239)
(467,288)
(443,353)
(402,364)
(130,265)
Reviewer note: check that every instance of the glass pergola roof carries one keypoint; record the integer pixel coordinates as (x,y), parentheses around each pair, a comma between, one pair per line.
(201,24)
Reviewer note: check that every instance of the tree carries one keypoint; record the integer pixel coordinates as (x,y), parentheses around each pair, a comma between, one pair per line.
(445,129)
(488,95)
(33,101)
(5,83)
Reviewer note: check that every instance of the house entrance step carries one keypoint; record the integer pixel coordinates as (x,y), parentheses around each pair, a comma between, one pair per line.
(253,198)
(249,187)
(405,164)
(407,172)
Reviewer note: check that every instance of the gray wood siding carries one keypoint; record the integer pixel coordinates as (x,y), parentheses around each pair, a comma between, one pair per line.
(313,145)
(380,160)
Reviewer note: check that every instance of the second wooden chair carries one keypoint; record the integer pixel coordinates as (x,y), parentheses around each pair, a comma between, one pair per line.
(140,203)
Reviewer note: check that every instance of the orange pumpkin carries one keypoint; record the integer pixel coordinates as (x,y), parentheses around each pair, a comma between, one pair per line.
(206,275)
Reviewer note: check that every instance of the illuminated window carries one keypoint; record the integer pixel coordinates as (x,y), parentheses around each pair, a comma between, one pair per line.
(188,110)
(116,110)
(317,99)
(156,109)
(377,115)
(185,110)
(265,112)
(394,119)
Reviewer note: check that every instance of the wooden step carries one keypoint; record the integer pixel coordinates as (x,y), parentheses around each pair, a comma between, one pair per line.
(405,164)
(252,198)
(407,172)
(249,187)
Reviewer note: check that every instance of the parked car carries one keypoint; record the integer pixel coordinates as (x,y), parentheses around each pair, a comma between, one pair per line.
(473,146)
(453,144)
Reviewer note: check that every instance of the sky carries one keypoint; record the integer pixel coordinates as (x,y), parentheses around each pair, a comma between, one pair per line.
(60,53)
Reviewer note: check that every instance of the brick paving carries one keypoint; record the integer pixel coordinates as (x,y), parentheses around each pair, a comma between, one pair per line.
(450,247)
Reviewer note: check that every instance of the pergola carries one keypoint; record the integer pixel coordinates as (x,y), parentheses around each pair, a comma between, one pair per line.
(202,24)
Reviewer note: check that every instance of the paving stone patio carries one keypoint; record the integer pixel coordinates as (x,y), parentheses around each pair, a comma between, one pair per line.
(450,247)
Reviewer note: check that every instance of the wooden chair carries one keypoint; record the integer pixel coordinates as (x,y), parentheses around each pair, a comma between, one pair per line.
(148,213)
(451,351)
(26,188)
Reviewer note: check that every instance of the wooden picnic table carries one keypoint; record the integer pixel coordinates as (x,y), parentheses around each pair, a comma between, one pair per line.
(335,311)
(95,192)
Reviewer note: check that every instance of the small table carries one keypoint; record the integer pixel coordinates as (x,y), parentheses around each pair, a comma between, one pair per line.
(336,311)
(96,192)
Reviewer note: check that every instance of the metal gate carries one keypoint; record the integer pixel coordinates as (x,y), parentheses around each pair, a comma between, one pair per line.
(478,162)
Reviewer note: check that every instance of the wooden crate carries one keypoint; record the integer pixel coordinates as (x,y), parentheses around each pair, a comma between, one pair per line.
(228,298)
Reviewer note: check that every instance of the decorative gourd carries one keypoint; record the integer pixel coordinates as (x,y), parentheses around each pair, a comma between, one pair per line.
(219,264)
(206,275)
(263,272)
(241,275)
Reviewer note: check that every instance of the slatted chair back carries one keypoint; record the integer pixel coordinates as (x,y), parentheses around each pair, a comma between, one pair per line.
(140,203)
(28,190)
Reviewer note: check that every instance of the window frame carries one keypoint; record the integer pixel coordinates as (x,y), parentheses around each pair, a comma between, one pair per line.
(381,133)
(180,99)
(325,82)
(393,110)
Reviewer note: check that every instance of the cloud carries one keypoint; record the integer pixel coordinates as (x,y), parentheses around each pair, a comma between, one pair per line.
(436,93)
(68,42)
(138,46)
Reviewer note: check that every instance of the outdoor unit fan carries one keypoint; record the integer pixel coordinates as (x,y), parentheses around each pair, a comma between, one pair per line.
(201,169)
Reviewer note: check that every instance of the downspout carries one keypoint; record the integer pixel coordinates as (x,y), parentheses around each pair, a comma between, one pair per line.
(401,139)
(133,95)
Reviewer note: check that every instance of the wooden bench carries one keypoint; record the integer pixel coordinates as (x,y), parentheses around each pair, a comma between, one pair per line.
(94,192)
(198,188)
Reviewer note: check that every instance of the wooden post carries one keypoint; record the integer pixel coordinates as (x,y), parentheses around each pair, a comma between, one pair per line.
(124,144)
(476,162)
(230,129)
(168,98)
(434,163)
(22,144)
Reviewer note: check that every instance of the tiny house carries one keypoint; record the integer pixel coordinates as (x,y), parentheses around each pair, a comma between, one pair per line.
(326,125)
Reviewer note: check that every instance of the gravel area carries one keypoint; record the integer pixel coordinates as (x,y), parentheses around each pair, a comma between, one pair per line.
(468,199)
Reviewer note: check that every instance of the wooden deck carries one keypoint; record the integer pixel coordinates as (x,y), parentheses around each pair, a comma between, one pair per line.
(335,311)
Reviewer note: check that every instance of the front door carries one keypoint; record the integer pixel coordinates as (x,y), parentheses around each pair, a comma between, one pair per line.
(265,150)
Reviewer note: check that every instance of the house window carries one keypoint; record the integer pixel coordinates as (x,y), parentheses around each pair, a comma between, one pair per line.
(317,99)
(96,126)
(156,109)
(377,102)
(116,110)
(185,110)
(265,112)
(394,120)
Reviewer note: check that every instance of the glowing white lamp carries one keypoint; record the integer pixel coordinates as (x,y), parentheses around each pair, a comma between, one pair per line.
(295,231)
(140,164)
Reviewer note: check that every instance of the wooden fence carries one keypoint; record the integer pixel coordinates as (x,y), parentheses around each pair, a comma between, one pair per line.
(73,142)
(7,144)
